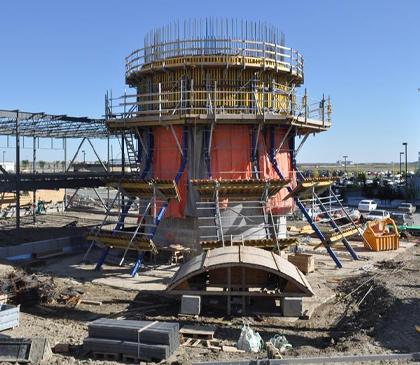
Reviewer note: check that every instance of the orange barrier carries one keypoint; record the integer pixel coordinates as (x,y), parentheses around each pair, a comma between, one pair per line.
(382,235)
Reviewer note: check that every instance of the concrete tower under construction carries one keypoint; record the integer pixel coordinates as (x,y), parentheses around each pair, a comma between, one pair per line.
(215,110)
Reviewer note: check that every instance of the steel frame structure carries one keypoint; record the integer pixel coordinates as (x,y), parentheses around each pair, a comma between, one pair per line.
(38,125)
(49,125)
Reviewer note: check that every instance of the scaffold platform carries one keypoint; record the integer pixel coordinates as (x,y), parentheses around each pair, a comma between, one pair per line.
(239,189)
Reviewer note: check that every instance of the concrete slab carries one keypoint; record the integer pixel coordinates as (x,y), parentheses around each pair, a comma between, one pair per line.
(153,279)
(191,304)
(292,306)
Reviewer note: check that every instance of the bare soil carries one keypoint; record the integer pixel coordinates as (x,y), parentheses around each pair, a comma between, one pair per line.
(372,313)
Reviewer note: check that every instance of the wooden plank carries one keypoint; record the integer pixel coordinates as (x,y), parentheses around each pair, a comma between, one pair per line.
(231,349)
(196,343)
(90,302)
(198,331)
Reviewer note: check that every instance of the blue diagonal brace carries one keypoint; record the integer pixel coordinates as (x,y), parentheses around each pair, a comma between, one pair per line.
(272,157)
(164,207)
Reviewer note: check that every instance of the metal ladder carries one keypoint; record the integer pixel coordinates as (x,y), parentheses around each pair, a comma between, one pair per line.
(132,153)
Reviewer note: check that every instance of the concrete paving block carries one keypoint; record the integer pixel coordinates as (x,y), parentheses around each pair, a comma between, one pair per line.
(292,306)
(191,304)
(9,316)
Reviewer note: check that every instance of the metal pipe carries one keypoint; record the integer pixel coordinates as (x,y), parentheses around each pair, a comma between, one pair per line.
(34,171)
(17,174)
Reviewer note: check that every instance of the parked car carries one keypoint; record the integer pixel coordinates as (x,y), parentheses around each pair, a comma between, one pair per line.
(407,208)
(367,205)
(377,214)
(402,219)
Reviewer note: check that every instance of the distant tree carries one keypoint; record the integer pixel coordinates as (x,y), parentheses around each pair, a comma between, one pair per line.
(25,164)
(361,176)
(42,165)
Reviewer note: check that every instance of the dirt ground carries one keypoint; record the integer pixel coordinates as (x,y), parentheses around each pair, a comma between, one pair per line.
(373,312)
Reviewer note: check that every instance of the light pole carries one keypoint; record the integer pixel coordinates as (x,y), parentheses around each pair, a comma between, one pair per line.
(401,153)
(406,167)
(84,157)
(3,157)
(345,164)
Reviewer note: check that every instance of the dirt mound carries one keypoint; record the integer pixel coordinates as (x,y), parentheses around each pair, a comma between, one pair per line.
(27,289)
(366,300)
(389,265)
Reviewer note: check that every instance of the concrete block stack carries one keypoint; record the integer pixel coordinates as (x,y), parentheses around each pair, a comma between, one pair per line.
(132,340)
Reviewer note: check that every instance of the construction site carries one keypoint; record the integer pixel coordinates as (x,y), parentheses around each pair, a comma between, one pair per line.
(204,242)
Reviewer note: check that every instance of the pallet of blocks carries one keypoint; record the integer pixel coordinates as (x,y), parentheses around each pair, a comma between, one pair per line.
(129,340)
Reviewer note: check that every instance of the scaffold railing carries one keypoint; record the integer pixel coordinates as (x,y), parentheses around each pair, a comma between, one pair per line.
(285,58)
(265,101)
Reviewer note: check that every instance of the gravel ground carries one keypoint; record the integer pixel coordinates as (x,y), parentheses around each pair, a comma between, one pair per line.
(373,313)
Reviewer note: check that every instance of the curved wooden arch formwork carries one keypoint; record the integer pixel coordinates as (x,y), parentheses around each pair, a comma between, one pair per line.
(240,271)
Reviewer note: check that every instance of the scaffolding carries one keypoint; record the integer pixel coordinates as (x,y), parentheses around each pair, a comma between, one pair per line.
(149,198)
(251,222)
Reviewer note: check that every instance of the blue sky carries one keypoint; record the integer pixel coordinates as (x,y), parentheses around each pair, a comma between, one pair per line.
(61,57)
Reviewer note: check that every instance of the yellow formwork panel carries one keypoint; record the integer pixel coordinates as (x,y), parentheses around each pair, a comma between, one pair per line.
(122,240)
(259,243)
(337,236)
(146,188)
(238,188)
(233,89)
(304,188)
(333,237)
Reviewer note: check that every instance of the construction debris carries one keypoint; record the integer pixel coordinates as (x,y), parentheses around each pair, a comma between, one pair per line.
(70,297)
(280,342)
(249,340)
(26,289)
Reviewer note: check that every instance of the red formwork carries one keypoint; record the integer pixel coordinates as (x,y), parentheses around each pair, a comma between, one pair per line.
(284,162)
(166,162)
(231,151)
